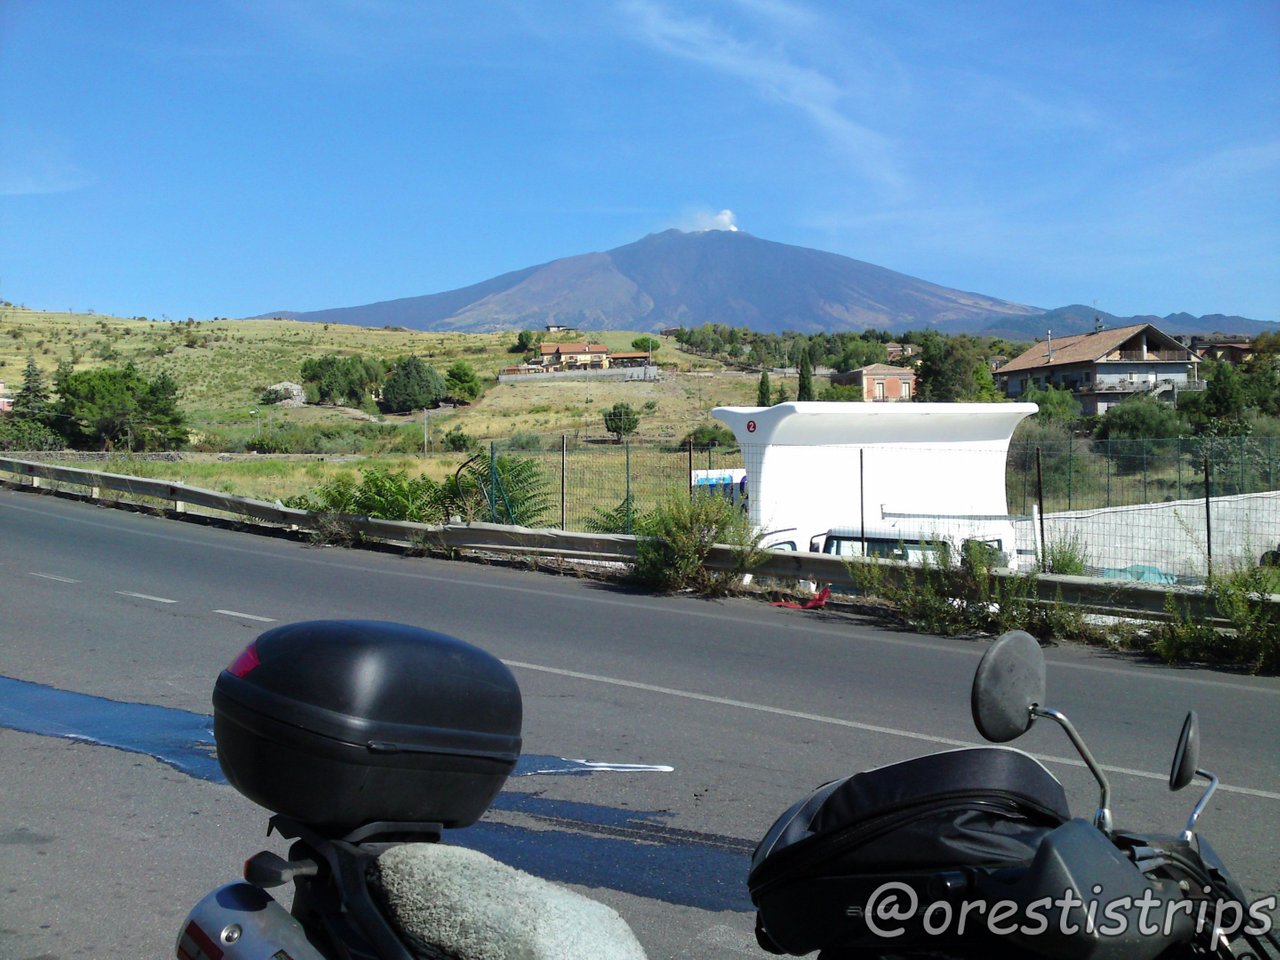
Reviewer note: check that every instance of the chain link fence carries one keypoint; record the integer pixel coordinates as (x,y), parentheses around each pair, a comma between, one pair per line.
(1156,511)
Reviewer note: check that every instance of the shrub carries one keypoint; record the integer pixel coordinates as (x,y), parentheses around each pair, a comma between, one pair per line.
(512,490)
(523,440)
(709,434)
(457,441)
(673,549)
(27,435)
(1253,640)
(624,518)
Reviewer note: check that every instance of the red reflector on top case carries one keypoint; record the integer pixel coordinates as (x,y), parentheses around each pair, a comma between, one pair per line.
(195,944)
(245,663)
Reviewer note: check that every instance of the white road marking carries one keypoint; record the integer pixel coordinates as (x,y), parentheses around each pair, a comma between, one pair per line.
(144,596)
(245,616)
(1153,674)
(50,576)
(851,724)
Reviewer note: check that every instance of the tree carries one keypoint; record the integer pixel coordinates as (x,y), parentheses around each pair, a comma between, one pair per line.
(646,343)
(621,420)
(764,397)
(710,434)
(805,389)
(32,400)
(781,396)
(462,381)
(413,385)
(341,380)
(1224,400)
(526,340)
(952,369)
(109,406)
(1058,405)
(1140,418)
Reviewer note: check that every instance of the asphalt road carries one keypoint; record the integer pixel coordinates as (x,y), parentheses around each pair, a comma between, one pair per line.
(103,850)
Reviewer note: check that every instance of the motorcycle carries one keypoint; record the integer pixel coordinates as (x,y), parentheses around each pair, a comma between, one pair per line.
(368,740)
(974,853)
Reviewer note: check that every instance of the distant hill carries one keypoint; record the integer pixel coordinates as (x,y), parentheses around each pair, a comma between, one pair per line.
(730,277)
(1065,321)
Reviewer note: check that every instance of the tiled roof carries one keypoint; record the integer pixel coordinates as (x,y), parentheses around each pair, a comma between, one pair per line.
(884,370)
(549,348)
(1082,348)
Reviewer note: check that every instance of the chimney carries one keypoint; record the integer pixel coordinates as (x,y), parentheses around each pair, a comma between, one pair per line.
(1049,339)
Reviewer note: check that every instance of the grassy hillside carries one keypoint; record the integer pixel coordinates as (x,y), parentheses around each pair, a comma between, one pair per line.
(222,366)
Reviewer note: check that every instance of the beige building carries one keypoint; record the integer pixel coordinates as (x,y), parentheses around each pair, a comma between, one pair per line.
(573,356)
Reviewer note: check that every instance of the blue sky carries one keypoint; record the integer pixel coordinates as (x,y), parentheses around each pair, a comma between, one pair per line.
(228,158)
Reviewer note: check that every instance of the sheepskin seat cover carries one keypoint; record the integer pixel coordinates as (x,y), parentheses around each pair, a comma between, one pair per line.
(472,907)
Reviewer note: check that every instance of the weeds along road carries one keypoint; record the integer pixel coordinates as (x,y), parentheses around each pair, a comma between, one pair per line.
(104,613)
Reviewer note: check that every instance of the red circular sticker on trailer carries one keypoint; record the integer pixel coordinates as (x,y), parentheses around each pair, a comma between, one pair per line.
(751,426)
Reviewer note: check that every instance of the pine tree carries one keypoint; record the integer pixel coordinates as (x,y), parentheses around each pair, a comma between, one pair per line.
(805,390)
(764,394)
(32,401)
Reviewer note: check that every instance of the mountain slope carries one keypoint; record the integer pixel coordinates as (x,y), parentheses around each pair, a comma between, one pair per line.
(686,279)
(674,278)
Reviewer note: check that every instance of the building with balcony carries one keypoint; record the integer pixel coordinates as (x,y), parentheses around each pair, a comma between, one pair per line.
(1103,368)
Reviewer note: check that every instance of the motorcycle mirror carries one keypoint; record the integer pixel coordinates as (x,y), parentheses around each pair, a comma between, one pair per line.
(1009,681)
(1187,756)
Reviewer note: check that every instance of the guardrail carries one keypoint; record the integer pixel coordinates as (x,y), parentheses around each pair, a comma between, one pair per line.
(1109,597)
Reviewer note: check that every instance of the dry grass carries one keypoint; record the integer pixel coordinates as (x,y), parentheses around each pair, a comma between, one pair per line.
(223,365)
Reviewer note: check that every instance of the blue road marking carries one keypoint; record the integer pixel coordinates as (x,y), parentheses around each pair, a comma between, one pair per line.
(178,738)
(583,843)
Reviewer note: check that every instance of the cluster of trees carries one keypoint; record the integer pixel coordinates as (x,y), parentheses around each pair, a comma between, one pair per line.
(399,386)
(106,408)
(839,351)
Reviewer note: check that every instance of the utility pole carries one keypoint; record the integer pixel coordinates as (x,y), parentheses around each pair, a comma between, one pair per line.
(426,437)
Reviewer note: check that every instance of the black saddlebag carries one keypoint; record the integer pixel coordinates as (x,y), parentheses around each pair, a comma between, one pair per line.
(938,825)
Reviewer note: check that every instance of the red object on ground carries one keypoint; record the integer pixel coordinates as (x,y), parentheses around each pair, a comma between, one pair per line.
(817,603)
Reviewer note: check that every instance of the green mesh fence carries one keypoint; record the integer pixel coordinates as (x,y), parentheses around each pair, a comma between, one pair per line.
(1161,511)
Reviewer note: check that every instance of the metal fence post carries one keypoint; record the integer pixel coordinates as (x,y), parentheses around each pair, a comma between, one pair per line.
(1178,458)
(564,478)
(1108,464)
(493,483)
(1145,498)
(627,501)
(1044,555)
(1208,516)
(1070,468)
(691,485)
(1240,454)
(862,499)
